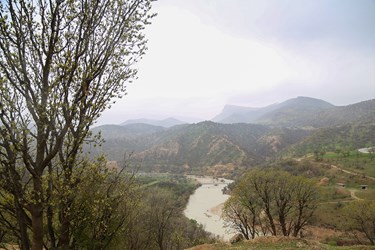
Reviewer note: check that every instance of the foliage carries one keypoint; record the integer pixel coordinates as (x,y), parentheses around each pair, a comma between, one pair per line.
(271,202)
(103,207)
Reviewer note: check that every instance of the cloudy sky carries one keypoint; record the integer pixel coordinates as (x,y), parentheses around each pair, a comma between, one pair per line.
(204,54)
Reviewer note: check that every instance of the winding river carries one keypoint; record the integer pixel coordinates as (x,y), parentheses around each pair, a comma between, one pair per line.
(205,205)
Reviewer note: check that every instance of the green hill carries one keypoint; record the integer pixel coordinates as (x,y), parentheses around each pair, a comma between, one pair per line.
(346,137)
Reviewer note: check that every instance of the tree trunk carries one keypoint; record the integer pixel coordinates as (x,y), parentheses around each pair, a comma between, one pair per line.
(37,215)
(22,222)
(270,220)
(282,222)
(64,238)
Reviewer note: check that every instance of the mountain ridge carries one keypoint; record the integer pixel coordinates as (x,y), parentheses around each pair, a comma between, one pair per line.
(300,112)
(298,125)
(166,123)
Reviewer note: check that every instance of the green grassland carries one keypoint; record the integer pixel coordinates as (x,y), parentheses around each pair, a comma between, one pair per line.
(354,161)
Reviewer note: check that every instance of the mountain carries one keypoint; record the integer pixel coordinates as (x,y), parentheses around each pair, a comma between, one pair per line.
(196,146)
(127,131)
(296,127)
(166,123)
(238,114)
(301,112)
(296,112)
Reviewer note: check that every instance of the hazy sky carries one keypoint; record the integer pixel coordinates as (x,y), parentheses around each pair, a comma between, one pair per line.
(204,54)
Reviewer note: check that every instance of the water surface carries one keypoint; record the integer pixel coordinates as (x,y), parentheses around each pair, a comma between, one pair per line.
(202,205)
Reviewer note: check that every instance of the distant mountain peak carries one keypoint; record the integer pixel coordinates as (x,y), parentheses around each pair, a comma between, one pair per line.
(307,101)
(166,123)
(301,111)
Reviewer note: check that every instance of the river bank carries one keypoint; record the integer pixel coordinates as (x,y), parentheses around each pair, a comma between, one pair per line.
(206,203)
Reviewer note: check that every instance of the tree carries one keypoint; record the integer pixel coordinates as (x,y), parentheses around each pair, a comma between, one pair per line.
(371,152)
(271,202)
(360,217)
(318,154)
(62,64)
(104,203)
(160,216)
(243,216)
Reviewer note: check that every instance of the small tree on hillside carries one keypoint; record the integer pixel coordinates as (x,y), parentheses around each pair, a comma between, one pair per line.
(360,217)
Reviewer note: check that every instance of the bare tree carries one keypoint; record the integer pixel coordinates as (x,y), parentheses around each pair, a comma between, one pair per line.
(62,64)
(243,218)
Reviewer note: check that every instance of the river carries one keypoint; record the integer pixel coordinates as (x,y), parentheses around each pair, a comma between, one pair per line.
(205,204)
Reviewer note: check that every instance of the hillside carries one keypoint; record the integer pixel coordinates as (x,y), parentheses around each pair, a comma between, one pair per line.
(346,137)
(303,112)
(197,145)
(295,127)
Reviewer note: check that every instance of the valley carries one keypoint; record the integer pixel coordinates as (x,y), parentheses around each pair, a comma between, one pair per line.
(302,168)
(304,137)
(294,128)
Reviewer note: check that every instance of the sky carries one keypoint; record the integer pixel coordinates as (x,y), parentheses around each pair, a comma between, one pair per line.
(204,54)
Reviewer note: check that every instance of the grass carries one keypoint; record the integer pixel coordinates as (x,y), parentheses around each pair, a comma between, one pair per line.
(366,194)
(356,162)
(329,215)
(334,193)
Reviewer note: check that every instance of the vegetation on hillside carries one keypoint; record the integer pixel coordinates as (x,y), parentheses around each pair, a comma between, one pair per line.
(194,147)
(341,139)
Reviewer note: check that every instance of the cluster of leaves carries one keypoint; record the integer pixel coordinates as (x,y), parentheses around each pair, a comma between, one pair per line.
(270,202)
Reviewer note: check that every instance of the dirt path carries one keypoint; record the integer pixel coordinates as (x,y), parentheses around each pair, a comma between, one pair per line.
(353,173)
(353,195)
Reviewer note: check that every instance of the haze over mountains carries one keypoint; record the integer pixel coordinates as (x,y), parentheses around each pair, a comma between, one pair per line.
(241,136)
